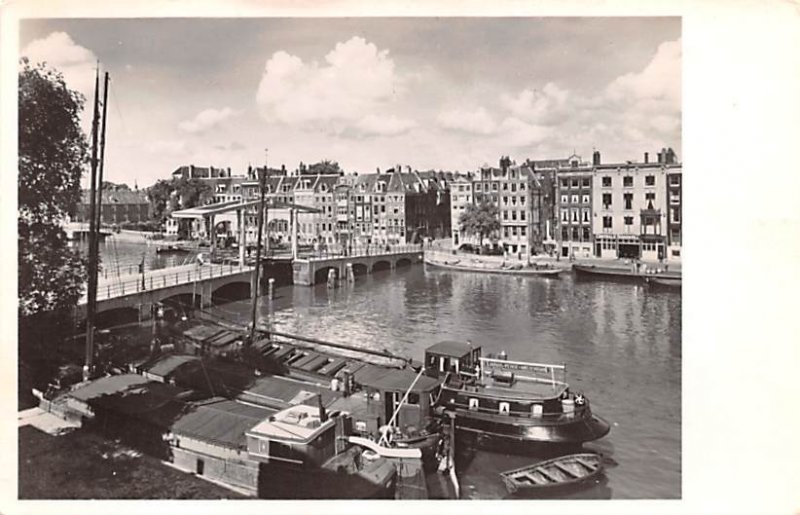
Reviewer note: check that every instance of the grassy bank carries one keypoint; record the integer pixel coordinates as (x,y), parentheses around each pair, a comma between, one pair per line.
(81,465)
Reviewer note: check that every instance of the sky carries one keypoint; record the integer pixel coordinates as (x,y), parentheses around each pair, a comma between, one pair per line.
(429,93)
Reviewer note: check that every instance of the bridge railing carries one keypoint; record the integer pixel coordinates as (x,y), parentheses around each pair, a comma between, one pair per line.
(164,279)
(359,251)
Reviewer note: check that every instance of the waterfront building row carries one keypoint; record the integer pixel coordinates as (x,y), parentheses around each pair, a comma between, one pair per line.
(572,208)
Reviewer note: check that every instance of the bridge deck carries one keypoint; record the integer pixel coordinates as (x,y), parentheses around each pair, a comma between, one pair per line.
(126,284)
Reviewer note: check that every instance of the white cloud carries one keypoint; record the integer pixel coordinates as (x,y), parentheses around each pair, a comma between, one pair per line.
(76,63)
(374,125)
(518,133)
(658,85)
(206,120)
(356,80)
(538,106)
(476,121)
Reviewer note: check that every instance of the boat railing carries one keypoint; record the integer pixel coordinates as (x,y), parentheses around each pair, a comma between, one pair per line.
(578,412)
(547,373)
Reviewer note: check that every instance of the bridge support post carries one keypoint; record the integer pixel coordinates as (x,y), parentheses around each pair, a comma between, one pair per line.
(331,278)
(206,292)
(350,275)
(271,288)
(145,310)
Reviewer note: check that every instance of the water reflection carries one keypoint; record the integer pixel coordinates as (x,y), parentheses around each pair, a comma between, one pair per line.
(621,344)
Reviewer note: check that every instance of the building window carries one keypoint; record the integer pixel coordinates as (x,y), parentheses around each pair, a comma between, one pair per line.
(585,215)
(575,183)
(522,230)
(565,199)
(514,231)
(575,199)
(606,200)
(628,220)
(628,199)
(565,215)
(586,183)
(585,199)
(564,183)
(505,232)
(586,234)
(505,215)
(627,182)
(478,187)
(650,180)
(676,216)
(505,201)
(574,215)
(522,186)
(674,180)
(494,186)
(513,187)
(522,215)
(505,186)
(513,215)
(606,182)
(650,196)
(607,221)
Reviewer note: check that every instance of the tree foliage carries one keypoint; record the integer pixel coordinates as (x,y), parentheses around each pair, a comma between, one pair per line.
(481,220)
(52,155)
(325,167)
(177,193)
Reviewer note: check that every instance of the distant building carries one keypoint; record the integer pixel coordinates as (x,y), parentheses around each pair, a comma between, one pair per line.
(574,201)
(119,206)
(637,208)
(461,196)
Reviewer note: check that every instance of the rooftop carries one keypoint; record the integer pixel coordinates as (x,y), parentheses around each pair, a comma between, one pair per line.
(298,423)
(221,421)
(452,348)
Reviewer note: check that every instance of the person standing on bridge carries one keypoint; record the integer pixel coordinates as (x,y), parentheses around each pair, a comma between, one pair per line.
(201,259)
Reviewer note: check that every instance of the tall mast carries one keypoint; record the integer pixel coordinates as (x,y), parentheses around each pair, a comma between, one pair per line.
(262,186)
(92,293)
(99,203)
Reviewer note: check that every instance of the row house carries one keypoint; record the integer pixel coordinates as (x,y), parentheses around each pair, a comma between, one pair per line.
(518,194)
(461,196)
(574,201)
(636,209)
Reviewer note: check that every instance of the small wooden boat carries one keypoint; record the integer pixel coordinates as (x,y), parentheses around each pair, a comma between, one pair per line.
(663,283)
(561,471)
(517,269)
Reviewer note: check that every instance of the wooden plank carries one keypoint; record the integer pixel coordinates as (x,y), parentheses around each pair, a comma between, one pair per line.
(566,470)
(548,475)
(590,466)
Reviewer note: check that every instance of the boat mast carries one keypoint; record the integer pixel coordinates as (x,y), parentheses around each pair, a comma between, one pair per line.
(262,178)
(91,297)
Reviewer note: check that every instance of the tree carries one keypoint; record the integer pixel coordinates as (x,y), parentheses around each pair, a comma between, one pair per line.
(159,196)
(52,155)
(481,219)
(191,192)
(325,167)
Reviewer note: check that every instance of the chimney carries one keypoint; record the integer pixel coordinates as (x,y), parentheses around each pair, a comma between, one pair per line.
(660,158)
(646,157)
(378,170)
(670,156)
(191,171)
(596,157)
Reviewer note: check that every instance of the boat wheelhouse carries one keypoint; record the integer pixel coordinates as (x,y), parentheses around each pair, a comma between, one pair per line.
(510,400)
(304,448)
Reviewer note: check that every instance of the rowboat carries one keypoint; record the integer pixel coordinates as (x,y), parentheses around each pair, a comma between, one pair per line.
(517,269)
(561,471)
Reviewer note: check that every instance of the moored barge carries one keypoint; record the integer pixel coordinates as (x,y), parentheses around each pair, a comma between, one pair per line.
(512,401)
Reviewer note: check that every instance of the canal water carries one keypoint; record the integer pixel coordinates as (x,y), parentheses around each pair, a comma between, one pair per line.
(621,344)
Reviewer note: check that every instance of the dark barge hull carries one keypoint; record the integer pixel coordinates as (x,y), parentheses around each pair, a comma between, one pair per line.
(619,274)
(535,435)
